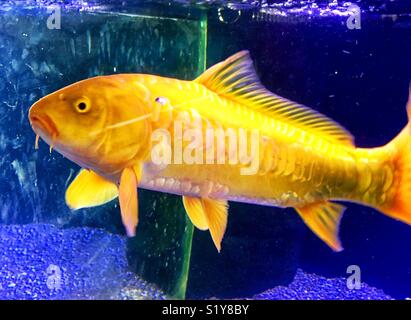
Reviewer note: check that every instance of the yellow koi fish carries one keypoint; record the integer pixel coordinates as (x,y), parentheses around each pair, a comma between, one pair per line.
(133,130)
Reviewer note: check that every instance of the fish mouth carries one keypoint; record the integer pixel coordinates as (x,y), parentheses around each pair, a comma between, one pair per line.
(44,124)
(45,127)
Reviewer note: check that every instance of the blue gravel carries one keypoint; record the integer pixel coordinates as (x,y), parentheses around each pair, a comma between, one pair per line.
(40,261)
(307,286)
(44,262)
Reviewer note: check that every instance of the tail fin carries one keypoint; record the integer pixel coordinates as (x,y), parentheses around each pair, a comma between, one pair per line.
(400,206)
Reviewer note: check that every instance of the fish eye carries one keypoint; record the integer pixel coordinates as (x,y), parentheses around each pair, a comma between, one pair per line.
(82,105)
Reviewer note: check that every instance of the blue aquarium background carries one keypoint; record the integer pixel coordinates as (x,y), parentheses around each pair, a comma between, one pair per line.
(358,75)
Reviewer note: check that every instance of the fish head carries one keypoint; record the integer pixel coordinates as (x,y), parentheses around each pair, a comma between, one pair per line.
(91,122)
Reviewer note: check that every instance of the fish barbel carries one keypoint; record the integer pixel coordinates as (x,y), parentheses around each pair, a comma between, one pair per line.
(221,137)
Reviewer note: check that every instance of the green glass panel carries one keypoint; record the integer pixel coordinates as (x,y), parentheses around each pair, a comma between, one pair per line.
(162,248)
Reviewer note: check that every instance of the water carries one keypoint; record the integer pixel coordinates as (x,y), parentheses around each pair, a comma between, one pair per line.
(355,71)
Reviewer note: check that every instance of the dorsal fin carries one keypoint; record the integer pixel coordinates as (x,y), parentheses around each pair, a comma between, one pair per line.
(236,79)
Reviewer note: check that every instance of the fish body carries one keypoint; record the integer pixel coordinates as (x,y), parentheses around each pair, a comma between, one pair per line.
(294,167)
(222,137)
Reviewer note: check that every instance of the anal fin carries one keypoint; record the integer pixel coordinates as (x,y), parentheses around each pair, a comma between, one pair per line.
(323,218)
(208,214)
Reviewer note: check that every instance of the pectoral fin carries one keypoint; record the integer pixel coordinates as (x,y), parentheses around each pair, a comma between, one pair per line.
(89,189)
(208,214)
(128,200)
(323,218)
